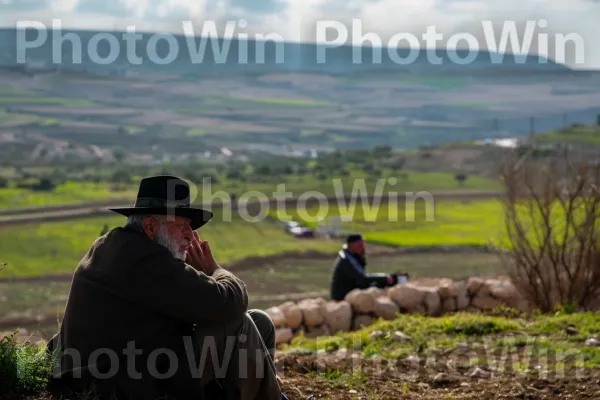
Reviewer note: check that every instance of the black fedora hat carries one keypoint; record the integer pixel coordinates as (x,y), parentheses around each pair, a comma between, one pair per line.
(166,195)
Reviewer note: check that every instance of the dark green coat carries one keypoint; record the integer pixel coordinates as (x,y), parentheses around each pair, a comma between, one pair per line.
(128,289)
(349,274)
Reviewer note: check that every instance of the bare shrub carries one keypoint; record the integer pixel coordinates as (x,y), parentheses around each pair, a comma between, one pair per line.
(551,212)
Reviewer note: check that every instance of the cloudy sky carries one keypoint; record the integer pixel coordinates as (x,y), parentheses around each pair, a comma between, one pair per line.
(296,20)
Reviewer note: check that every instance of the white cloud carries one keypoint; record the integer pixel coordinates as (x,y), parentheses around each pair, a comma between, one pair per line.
(63,6)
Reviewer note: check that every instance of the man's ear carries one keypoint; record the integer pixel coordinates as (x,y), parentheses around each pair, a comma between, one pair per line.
(150,227)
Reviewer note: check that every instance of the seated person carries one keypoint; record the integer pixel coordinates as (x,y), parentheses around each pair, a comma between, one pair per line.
(349,270)
(151,313)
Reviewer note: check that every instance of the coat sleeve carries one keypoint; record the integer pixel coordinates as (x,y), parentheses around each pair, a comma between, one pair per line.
(361,279)
(175,288)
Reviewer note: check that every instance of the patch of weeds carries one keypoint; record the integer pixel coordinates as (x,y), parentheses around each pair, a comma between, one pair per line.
(24,368)
(477,325)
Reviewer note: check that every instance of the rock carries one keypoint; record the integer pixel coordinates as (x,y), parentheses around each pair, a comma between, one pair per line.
(479,373)
(386,308)
(443,379)
(376,292)
(408,298)
(361,321)
(484,301)
(449,305)
(571,330)
(283,335)
(338,316)
(312,314)
(474,285)
(362,301)
(463,300)
(401,336)
(315,332)
(432,301)
(592,342)
(277,316)
(293,314)
(352,391)
(447,289)
(377,335)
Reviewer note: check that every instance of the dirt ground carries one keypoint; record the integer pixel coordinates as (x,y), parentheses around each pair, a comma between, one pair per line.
(348,377)
(302,376)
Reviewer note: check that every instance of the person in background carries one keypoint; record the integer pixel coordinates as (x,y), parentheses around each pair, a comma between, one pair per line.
(349,270)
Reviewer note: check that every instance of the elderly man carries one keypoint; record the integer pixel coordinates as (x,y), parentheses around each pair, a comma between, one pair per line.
(349,270)
(151,313)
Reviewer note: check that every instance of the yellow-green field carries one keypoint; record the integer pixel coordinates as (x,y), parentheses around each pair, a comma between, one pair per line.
(67,193)
(422,223)
(72,192)
(57,247)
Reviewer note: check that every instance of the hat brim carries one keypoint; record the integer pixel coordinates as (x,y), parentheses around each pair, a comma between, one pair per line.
(198,217)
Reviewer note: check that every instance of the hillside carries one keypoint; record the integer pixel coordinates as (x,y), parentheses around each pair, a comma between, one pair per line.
(183,110)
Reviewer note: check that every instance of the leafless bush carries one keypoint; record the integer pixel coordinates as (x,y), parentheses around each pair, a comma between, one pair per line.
(551,213)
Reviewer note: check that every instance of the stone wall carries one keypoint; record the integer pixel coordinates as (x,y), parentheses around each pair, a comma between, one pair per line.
(361,307)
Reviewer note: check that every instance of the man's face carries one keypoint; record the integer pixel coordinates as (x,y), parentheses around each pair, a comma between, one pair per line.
(174,233)
(358,248)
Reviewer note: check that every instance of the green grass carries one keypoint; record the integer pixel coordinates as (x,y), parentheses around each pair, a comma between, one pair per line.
(57,247)
(265,101)
(446,222)
(66,193)
(360,182)
(24,368)
(487,335)
(579,134)
(46,101)
(355,182)
(196,132)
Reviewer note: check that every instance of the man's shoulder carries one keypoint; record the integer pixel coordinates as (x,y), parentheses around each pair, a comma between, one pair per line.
(122,249)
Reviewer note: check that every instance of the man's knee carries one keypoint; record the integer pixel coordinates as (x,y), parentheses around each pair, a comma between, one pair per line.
(262,320)
(265,326)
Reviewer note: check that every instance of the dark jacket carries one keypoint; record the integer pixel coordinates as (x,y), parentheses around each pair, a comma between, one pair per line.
(129,290)
(349,274)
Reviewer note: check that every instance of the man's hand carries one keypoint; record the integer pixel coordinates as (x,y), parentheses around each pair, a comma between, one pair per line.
(200,256)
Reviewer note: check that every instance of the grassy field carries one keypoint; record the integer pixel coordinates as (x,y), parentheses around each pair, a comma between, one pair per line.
(58,101)
(424,222)
(446,333)
(579,134)
(57,247)
(272,187)
(66,193)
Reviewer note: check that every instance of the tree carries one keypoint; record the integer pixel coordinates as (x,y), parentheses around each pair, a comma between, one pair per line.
(382,151)
(460,178)
(104,230)
(551,209)
(263,170)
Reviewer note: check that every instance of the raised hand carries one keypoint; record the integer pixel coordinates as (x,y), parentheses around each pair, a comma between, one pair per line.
(200,256)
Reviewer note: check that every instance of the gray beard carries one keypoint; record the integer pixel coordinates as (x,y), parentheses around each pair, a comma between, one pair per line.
(163,239)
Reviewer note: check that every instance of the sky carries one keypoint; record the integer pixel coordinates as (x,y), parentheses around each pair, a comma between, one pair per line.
(305,20)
